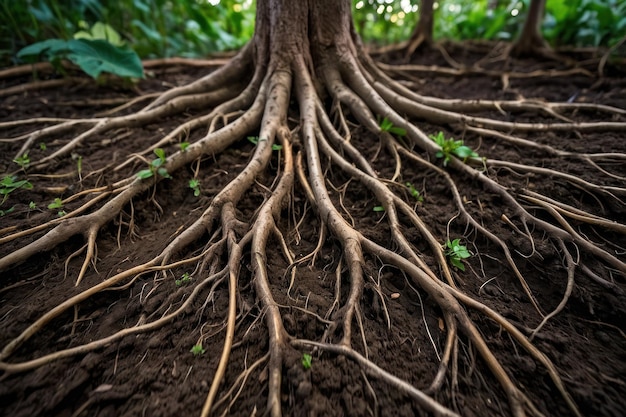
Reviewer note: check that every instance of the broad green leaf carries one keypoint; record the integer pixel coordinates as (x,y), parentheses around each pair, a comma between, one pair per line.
(48,47)
(97,56)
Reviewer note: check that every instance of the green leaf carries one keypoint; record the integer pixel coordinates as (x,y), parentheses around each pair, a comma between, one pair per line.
(197,349)
(163,172)
(97,56)
(398,131)
(306,361)
(56,204)
(465,152)
(145,173)
(160,153)
(379,208)
(48,47)
(457,263)
(101,31)
(7,211)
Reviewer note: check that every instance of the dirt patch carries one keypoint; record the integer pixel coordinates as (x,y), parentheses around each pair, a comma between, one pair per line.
(155,373)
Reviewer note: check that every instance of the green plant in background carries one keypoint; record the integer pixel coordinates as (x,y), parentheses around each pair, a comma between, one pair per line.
(255,140)
(456,253)
(194,184)
(306,361)
(156,166)
(93,56)
(185,279)
(197,349)
(57,204)
(387,126)
(23,161)
(10,184)
(451,147)
(191,28)
(416,194)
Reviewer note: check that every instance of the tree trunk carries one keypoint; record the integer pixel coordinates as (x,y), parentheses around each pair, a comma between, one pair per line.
(531,38)
(423,33)
(286,28)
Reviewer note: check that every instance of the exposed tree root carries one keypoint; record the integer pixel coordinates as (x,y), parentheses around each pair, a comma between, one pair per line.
(351,89)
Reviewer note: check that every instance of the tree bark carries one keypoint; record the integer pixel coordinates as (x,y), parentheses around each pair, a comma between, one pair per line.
(287,28)
(531,38)
(423,33)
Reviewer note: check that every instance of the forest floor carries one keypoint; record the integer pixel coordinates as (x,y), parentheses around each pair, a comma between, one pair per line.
(155,374)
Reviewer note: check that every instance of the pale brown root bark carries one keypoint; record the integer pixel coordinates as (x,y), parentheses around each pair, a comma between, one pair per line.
(308,51)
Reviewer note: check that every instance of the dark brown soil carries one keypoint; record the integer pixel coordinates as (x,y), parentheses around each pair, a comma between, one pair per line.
(155,374)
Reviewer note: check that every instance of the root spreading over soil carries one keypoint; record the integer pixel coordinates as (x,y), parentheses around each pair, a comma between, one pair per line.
(323,235)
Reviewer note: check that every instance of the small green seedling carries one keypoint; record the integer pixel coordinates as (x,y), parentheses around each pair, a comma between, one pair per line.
(194,184)
(7,211)
(156,166)
(79,163)
(32,205)
(185,279)
(457,252)
(184,146)
(416,194)
(43,146)
(451,147)
(23,161)
(387,126)
(378,208)
(306,361)
(56,204)
(197,349)
(256,140)
(10,184)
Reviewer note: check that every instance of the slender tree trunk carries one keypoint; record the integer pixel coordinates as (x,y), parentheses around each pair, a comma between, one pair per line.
(531,38)
(423,33)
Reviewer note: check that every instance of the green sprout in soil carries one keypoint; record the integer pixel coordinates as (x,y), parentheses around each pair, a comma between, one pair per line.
(451,147)
(256,140)
(194,184)
(378,208)
(183,146)
(43,146)
(457,252)
(416,194)
(10,184)
(156,166)
(306,361)
(387,126)
(79,163)
(32,205)
(56,204)
(185,279)
(197,349)
(7,211)
(23,161)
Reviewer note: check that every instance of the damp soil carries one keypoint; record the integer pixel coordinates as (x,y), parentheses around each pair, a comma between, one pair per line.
(156,374)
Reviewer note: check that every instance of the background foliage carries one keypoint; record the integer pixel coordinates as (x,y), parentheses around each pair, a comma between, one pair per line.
(193,28)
